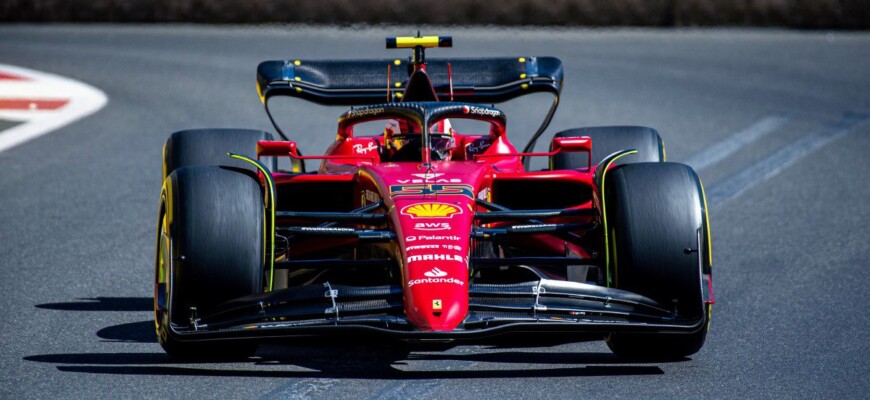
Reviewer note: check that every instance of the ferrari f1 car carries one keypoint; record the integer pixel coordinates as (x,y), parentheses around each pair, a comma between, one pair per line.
(412,229)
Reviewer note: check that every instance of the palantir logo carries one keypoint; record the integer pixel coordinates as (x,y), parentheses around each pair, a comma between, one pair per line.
(435,273)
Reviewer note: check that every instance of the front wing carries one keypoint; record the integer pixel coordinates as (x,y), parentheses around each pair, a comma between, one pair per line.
(538,306)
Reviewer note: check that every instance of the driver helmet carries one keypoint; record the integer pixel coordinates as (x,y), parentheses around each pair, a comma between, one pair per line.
(406,142)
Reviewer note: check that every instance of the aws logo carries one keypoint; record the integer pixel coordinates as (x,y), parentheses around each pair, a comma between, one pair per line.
(442,189)
(432,226)
(431,210)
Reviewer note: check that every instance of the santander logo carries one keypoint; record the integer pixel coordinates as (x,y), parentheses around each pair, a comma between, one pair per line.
(435,273)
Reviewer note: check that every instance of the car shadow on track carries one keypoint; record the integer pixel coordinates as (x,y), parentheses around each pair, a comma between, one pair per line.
(159,364)
(366,359)
(103,304)
(133,332)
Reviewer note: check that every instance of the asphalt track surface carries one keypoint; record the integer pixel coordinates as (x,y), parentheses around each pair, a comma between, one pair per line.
(786,114)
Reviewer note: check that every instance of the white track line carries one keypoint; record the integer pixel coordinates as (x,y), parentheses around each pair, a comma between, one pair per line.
(83,99)
(735,142)
(784,158)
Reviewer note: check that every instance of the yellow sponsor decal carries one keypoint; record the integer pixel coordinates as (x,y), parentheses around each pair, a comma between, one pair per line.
(431,210)
(425,41)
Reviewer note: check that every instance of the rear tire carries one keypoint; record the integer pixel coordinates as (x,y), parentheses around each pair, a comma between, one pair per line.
(655,214)
(194,147)
(210,250)
(607,140)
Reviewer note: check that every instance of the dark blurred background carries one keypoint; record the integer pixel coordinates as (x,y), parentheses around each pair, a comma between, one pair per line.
(810,14)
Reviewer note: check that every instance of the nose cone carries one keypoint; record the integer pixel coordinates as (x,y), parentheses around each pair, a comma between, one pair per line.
(440,315)
(434,244)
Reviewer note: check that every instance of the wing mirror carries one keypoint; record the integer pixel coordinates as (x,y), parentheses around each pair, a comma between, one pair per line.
(580,144)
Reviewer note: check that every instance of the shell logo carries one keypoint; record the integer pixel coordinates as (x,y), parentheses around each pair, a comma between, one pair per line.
(431,210)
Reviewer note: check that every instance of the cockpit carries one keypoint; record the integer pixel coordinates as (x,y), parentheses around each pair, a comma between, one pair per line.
(395,131)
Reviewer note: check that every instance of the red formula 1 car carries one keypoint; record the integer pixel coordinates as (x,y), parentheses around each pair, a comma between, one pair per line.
(415,228)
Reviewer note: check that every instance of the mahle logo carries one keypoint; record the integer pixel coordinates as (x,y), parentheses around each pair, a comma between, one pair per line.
(431,210)
(435,257)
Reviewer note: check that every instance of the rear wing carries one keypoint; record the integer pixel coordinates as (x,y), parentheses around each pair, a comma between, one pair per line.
(365,82)
(362,82)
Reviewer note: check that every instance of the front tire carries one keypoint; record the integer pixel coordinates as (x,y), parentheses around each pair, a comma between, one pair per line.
(196,147)
(210,250)
(607,140)
(655,217)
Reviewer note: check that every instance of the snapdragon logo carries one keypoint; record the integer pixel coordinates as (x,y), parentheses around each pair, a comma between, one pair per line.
(480,111)
(364,112)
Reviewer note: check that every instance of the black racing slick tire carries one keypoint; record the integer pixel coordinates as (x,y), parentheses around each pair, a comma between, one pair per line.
(607,140)
(655,219)
(209,251)
(210,146)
